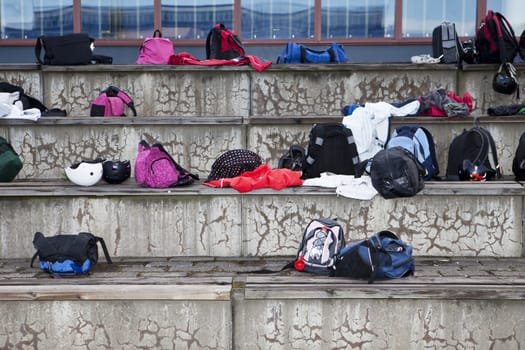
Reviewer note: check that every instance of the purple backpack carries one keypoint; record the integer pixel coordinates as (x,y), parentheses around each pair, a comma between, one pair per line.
(154,167)
(155,50)
(112,102)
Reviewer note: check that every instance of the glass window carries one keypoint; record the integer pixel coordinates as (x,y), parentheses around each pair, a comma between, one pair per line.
(512,10)
(193,19)
(277,19)
(117,19)
(358,19)
(25,19)
(420,17)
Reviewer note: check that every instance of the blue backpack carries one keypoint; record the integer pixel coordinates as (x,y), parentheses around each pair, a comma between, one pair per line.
(298,53)
(418,141)
(381,256)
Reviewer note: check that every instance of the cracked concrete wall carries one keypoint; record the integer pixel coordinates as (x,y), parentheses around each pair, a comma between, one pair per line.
(409,324)
(263,224)
(130,325)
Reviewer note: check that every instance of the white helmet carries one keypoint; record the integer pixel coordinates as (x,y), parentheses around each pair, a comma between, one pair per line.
(85,173)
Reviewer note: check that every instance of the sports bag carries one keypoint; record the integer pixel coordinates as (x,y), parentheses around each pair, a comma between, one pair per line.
(112,102)
(381,256)
(495,39)
(472,156)
(293,158)
(420,142)
(10,162)
(155,168)
(223,44)
(445,43)
(155,50)
(395,172)
(322,240)
(518,162)
(331,148)
(70,49)
(68,255)
(298,53)
(233,163)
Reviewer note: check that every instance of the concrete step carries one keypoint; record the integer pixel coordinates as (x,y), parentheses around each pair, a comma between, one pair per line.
(306,89)
(445,219)
(51,144)
(203,302)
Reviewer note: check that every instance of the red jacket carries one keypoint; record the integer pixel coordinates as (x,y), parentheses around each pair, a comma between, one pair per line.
(262,177)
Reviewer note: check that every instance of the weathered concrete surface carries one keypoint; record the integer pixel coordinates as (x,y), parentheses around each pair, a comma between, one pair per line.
(47,150)
(380,324)
(146,324)
(268,223)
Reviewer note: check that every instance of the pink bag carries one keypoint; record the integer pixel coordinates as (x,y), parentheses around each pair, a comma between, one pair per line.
(155,50)
(154,167)
(112,102)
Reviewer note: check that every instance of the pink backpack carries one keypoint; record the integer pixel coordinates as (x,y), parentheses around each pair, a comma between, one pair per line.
(155,50)
(154,167)
(112,102)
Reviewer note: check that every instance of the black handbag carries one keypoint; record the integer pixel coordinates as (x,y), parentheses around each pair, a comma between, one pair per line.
(70,49)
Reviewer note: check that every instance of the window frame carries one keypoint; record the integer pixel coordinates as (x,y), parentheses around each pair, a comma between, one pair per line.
(481,6)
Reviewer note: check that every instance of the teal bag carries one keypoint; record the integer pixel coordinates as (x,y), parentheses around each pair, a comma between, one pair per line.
(10,163)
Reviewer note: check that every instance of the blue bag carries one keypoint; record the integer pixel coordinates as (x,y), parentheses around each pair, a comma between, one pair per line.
(298,53)
(381,256)
(68,255)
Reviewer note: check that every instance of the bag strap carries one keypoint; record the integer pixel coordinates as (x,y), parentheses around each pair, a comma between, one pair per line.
(38,48)
(179,168)
(104,249)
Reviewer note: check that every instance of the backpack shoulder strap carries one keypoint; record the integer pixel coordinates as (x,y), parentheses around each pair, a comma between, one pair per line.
(104,249)
(38,49)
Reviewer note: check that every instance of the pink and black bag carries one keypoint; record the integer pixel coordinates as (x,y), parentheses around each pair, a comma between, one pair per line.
(154,167)
(155,50)
(112,102)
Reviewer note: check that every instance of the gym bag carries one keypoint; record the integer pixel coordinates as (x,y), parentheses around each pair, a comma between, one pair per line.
(495,39)
(298,53)
(472,156)
(518,162)
(322,240)
(223,44)
(70,49)
(381,256)
(395,172)
(10,163)
(112,102)
(420,142)
(331,148)
(68,255)
(155,50)
(155,168)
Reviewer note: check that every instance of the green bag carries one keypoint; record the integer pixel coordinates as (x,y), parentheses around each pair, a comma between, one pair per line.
(10,163)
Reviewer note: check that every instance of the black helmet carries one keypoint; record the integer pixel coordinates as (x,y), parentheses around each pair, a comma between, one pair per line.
(115,172)
(505,81)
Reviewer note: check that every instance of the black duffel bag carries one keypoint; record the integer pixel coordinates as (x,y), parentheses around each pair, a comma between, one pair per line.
(70,49)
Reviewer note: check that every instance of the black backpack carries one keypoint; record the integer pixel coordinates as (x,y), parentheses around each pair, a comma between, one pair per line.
(518,162)
(223,44)
(472,156)
(395,172)
(331,148)
(445,43)
(495,39)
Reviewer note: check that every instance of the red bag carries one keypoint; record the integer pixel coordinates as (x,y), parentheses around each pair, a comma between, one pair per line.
(155,50)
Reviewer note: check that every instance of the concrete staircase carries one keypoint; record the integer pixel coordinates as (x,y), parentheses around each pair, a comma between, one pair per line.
(183,256)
